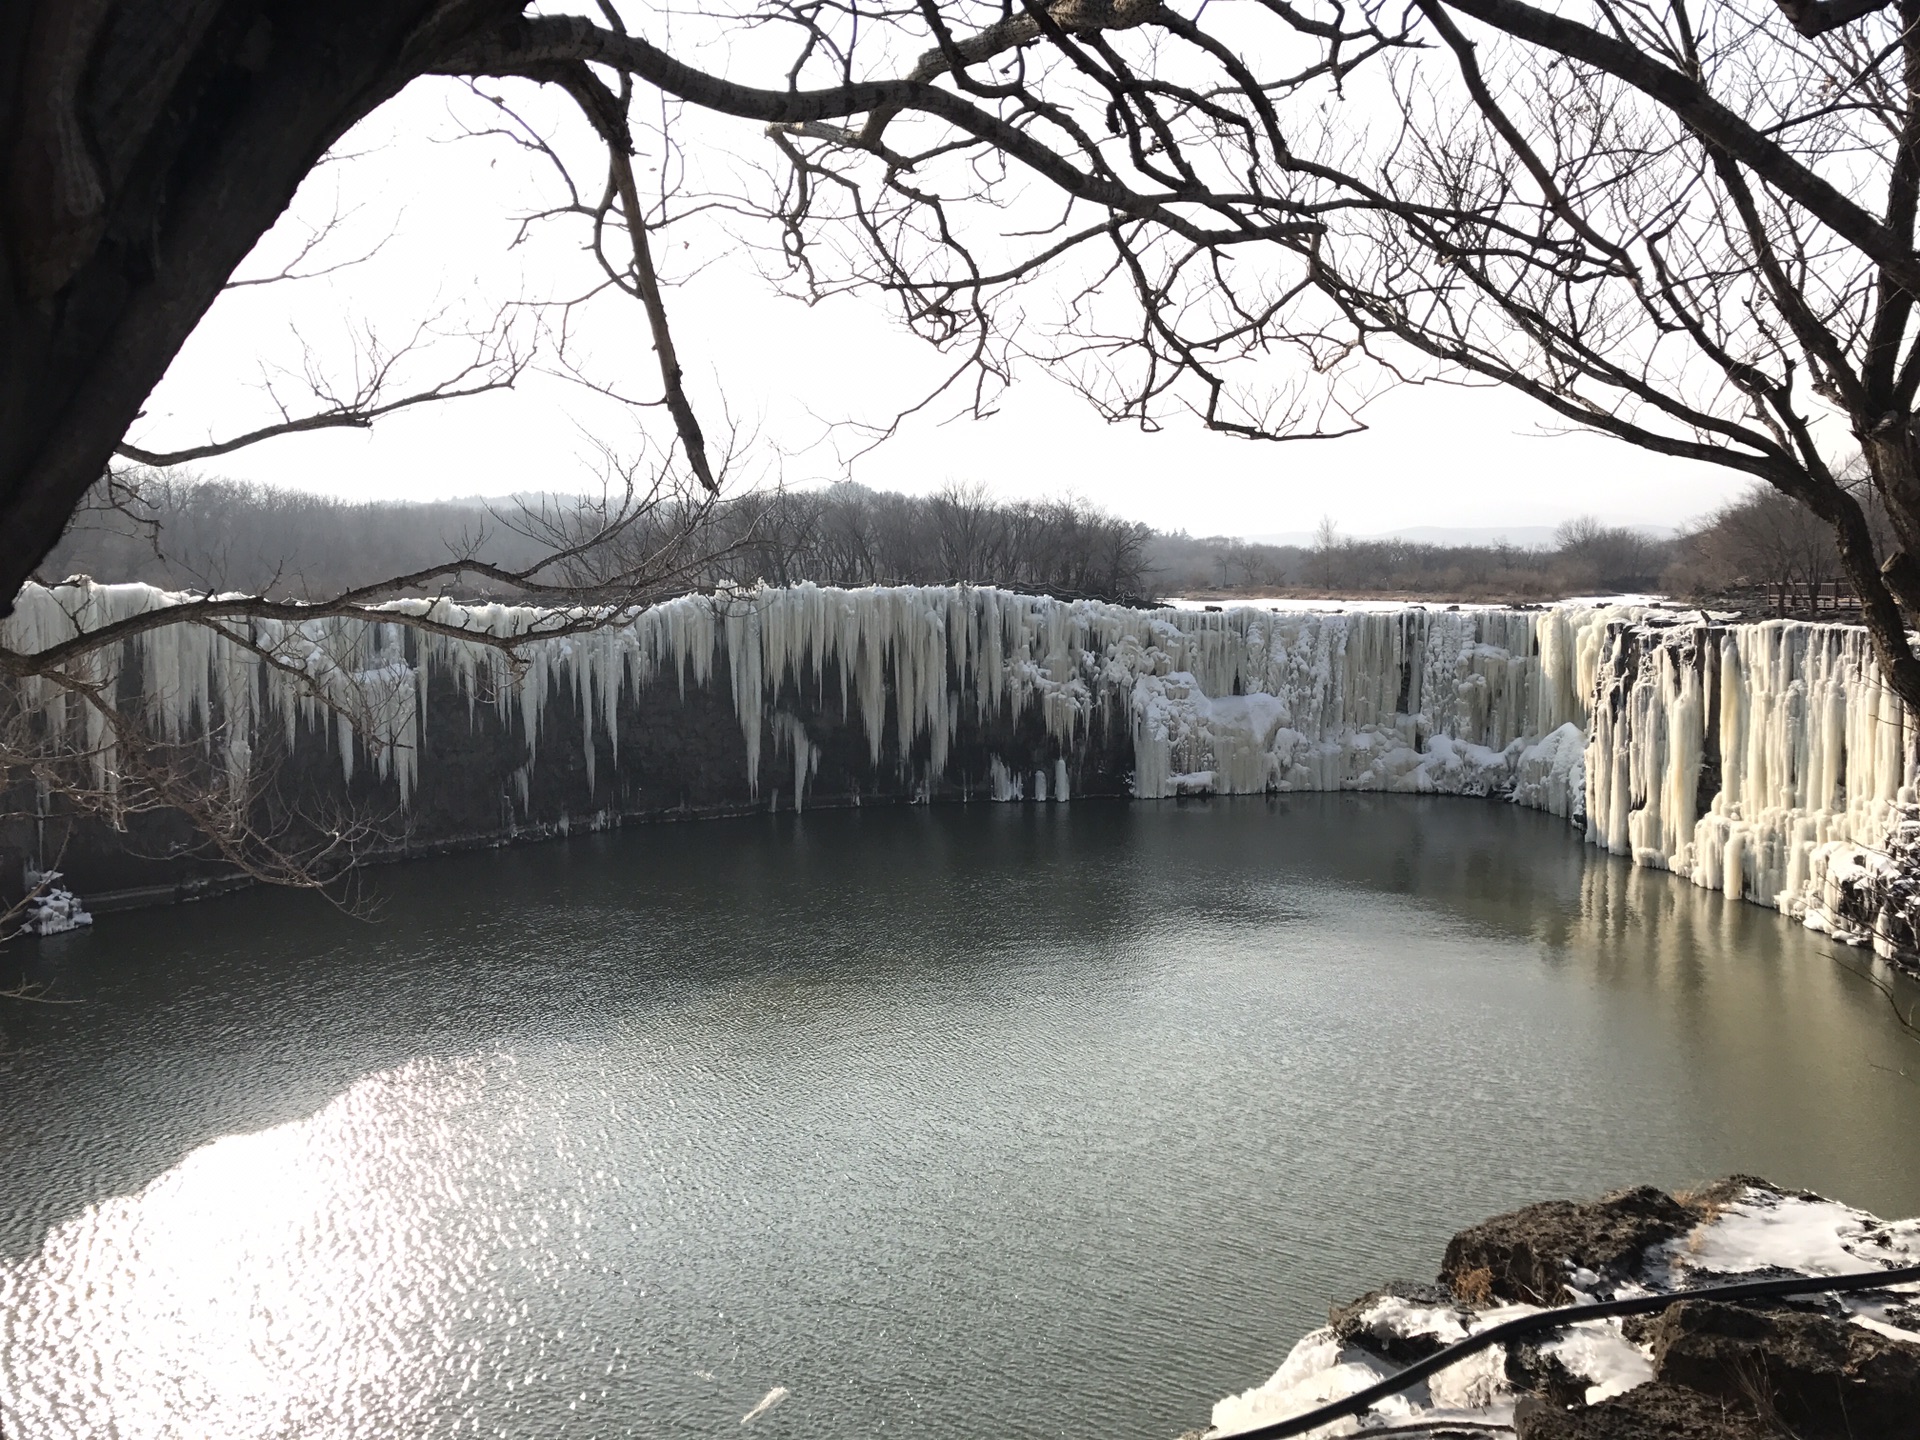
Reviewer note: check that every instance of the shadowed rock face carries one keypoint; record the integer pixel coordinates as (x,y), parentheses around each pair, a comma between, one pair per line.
(1816,1375)
(681,755)
(1526,1255)
(1651,1412)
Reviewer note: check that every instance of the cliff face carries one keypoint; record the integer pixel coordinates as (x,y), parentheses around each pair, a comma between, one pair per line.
(1766,760)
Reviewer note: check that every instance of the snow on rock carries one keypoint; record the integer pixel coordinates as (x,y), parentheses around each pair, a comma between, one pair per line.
(1317,1370)
(49,909)
(1742,1228)
(1870,896)
(1767,1231)
(1478,1384)
(1320,1369)
(1603,1356)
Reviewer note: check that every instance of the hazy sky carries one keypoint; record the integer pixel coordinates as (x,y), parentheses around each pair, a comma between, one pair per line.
(1435,456)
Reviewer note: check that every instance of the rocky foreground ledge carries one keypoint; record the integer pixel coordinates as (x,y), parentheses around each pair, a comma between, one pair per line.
(1815,1367)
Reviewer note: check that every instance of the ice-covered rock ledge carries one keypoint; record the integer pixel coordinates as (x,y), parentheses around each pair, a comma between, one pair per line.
(1768,761)
(1812,1367)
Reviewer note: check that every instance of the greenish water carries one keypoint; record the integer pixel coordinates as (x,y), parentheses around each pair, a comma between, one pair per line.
(994,1120)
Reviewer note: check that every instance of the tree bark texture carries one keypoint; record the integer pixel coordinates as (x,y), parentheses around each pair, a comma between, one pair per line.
(145,146)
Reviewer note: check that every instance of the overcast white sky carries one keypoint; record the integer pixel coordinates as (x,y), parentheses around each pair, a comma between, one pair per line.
(1435,456)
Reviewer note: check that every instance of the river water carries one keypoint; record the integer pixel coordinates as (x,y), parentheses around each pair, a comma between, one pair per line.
(991,1120)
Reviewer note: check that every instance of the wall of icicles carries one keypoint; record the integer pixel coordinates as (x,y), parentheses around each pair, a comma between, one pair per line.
(1758,759)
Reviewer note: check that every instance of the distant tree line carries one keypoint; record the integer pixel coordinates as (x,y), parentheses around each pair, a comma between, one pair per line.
(1586,558)
(1764,554)
(227,535)
(850,535)
(220,535)
(1759,553)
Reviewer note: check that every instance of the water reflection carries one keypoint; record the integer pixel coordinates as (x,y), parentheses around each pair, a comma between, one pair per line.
(1046,1121)
(329,1276)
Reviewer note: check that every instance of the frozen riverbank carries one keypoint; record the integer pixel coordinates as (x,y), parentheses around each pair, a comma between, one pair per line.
(1814,1367)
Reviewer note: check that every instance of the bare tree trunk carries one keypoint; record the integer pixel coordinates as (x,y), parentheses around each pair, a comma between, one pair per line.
(1891,462)
(146,146)
(1881,602)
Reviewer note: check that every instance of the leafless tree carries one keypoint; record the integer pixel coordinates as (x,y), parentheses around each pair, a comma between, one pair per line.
(80,741)
(1763,539)
(1690,228)
(99,758)
(227,536)
(1613,557)
(313,398)
(1327,546)
(968,530)
(849,535)
(72,732)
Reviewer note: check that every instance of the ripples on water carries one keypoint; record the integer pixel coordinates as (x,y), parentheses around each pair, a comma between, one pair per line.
(996,1120)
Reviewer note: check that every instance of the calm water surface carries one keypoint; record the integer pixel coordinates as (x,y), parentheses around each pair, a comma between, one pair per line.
(1011,1121)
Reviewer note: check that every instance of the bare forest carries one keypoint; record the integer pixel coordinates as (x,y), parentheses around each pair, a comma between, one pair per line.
(222,536)
(1759,554)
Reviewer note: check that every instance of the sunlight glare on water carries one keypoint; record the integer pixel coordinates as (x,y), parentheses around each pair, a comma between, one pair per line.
(323,1274)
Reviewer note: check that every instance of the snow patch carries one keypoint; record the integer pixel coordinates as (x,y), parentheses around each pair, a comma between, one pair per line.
(1800,1234)
(1316,1370)
(51,910)
(1602,1355)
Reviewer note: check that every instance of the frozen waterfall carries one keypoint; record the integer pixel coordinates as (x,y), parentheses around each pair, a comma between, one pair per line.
(1752,758)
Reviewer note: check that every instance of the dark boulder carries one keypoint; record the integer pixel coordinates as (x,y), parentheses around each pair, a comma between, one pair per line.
(1534,1369)
(1817,1375)
(1527,1254)
(1650,1412)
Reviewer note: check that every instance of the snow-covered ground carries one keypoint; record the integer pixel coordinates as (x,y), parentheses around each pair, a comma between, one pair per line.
(1762,1234)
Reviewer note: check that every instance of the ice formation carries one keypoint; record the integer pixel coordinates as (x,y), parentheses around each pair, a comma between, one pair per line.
(1759,759)
(1811,751)
(49,909)
(1413,700)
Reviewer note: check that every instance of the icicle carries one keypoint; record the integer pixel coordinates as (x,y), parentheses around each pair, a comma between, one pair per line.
(1590,713)
(1812,754)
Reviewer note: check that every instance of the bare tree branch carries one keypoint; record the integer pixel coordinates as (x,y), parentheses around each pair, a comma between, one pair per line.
(497,363)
